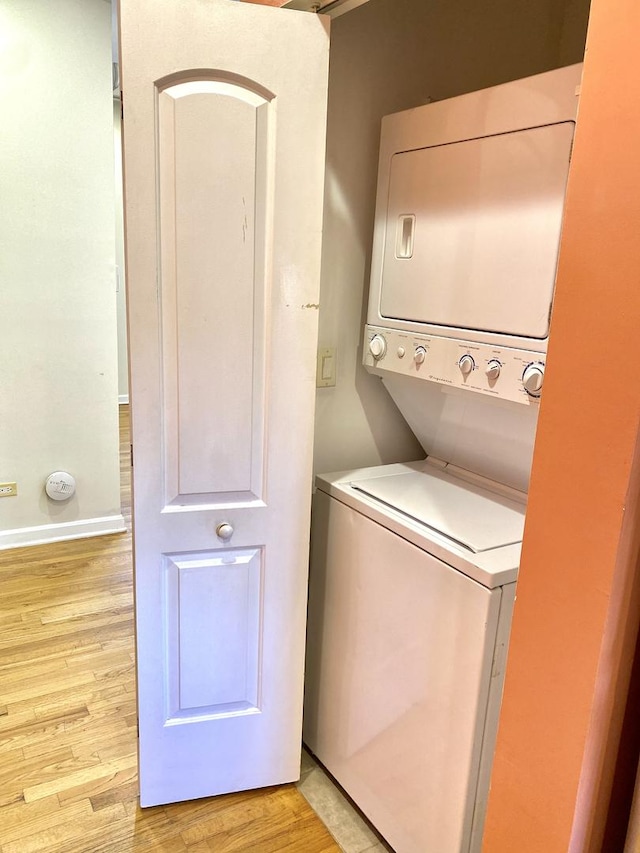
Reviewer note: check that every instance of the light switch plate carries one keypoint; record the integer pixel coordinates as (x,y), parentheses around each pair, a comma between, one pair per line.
(326,369)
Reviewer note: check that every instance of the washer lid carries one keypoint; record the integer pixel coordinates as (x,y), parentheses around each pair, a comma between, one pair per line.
(462,511)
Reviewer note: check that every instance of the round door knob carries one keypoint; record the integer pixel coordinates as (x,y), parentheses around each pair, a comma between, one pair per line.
(493,369)
(466,365)
(532,379)
(224,532)
(419,355)
(377,346)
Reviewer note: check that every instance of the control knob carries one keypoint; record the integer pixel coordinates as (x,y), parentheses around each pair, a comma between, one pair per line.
(419,355)
(466,365)
(492,370)
(532,378)
(377,346)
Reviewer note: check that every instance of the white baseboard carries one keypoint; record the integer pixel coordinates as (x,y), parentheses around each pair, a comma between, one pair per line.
(25,536)
(123,400)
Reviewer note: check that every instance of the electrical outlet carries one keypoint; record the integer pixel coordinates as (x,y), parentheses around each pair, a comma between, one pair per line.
(8,490)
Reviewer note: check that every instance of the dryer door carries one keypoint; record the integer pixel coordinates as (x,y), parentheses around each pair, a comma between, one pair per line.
(473,230)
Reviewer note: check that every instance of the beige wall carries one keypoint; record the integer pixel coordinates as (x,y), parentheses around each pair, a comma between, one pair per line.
(58,365)
(389,55)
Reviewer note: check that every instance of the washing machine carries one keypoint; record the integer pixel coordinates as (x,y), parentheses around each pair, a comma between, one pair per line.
(414,565)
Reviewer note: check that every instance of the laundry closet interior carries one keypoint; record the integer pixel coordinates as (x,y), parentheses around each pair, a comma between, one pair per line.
(381,732)
(387,56)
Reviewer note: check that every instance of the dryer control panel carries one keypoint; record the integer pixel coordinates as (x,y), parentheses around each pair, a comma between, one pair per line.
(502,372)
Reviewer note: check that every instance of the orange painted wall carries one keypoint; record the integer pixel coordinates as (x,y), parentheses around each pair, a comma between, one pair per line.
(574,621)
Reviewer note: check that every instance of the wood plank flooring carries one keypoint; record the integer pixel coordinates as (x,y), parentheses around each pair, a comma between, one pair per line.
(68,719)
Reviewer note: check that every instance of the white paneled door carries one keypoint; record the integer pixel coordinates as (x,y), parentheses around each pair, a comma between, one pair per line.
(224,127)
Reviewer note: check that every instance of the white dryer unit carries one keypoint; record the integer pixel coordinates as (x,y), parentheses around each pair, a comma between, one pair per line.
(413,567)
(467,232)
(469,213)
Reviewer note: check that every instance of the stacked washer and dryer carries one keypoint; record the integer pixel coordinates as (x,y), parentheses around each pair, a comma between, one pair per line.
(414,566)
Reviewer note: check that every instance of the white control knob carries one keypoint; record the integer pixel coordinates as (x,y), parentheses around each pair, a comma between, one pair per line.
(419,355)
(493,370)
(377,346)
(466,365)
(224,532)
(401,351)
(532,379)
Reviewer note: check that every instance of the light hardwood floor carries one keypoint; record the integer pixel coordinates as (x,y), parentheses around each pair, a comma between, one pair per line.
(68,719)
